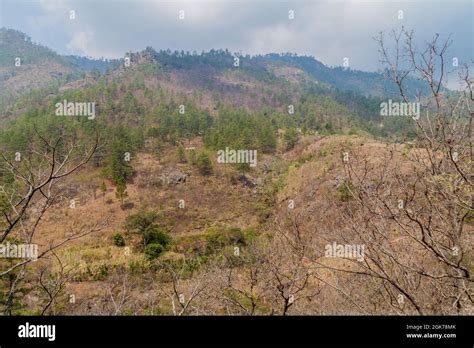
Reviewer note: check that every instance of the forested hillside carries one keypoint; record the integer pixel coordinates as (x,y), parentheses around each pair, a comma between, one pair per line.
(174,183)
(27,67)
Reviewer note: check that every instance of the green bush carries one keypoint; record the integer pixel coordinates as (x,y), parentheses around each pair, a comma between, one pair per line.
(291,138)
(181,155)
(144,224)
(121,190)
(204,164)
(192,157)
(118,240)
(344,191)
(217,239)
(155,235)
(138,223)
(153,250)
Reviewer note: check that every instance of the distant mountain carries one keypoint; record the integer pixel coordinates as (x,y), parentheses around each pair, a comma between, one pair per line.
(289,66)
(26,66)
(39,67)
(15,44)
(366,83)
(208,81)
(90,64)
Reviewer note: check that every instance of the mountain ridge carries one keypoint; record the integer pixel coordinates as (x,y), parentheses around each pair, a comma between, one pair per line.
(53,69)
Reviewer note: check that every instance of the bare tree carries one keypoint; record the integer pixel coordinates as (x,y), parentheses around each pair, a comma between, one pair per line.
(32,190)
(51,283)
(414,213)
(182,289)
(118,291)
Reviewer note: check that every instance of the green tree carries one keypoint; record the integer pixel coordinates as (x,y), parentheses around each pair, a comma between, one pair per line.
(121,190)
(192,157)
(181,155)
(204,164)
(120,148)
(291,138)
(103,188)
(137,223)
(144,224)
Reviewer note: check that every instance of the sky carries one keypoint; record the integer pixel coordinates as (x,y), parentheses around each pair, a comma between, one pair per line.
(328,30)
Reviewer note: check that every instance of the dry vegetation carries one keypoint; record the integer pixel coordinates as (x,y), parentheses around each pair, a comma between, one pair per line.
(249,242)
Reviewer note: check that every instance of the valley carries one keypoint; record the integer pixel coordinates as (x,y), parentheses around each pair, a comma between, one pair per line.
(187,185)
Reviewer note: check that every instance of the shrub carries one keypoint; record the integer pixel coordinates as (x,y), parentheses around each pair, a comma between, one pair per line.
(223,237)
(192,157)
(180,154)
(138,223)
(291,138)
(118,240)
(155,235)
(344,191)
(121,190)
(144,224)
(204,164)
(153,250)
(103,188)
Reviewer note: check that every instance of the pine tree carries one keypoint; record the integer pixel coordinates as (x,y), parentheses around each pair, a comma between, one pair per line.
(204,164)
(103,188)
(291,138)
(121,191)
(181,155)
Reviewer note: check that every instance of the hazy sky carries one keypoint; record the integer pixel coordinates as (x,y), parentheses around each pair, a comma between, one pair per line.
(328,30)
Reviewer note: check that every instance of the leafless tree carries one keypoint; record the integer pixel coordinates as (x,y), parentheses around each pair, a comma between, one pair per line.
(182,289)
(34,190)
(412,208)
(51,282)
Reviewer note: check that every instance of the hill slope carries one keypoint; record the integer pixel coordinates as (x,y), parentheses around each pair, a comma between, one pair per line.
(26,66)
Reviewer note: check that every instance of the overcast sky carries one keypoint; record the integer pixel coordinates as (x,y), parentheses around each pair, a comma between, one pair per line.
(327,30)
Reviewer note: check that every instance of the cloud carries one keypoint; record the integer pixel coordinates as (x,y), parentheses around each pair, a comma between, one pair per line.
(80,42)
(327,30)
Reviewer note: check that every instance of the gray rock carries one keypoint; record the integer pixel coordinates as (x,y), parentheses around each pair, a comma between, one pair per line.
(174,177)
